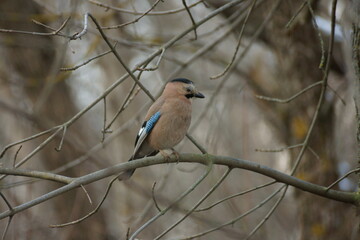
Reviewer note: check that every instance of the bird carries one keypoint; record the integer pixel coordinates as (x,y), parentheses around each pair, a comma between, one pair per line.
(166,122)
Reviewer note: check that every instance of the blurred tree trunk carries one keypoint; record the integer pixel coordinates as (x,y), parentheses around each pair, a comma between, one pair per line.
(298,53)
(356,62)
(29,70)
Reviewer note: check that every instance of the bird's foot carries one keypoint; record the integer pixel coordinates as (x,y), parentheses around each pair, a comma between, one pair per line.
(165,155)
(177,155)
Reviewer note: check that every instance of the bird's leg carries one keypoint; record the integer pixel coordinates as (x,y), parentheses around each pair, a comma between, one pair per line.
(177,155)
(165,155)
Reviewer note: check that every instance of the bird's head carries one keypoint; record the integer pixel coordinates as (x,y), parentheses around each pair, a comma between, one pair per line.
(184,87)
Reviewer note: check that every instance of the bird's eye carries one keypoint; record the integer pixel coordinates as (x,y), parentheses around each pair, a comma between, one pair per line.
(188,90)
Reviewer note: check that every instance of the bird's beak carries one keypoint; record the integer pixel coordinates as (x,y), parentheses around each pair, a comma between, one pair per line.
(199,95)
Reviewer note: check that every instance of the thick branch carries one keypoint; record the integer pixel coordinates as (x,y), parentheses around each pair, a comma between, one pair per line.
(346,197)
(36,174)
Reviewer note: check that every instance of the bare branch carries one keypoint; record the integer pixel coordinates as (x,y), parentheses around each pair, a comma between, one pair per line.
(27,139)
(86,62)
(346,197)
(291,21)
(135,20)
(191,17)
(323,89)
(238,43)
(235,195)
(87,194)
(90,213)
(153,197)
(16,154)
(343,177)
(271,211)
(182,196)
(122,10)
(156,65)
(120,80)
(10,217)
(104,121)
(54,33)
(84,31)
(287,100)
(216,185)
(36,174)
(286,148)
(58,149)
(231,222)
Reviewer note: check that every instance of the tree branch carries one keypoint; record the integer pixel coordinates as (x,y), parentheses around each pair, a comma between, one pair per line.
(341,196)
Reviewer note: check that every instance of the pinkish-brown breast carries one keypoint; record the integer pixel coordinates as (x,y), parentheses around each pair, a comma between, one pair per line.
(173,124)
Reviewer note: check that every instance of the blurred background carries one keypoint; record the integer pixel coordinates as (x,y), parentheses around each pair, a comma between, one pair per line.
(47,80)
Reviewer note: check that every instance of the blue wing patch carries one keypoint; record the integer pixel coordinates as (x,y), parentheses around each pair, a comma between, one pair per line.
(151,122)
(147,127)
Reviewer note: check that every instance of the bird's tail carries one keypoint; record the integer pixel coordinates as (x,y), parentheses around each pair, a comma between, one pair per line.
(127,174)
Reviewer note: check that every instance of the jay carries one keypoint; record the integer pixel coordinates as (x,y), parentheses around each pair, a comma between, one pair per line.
(166,121)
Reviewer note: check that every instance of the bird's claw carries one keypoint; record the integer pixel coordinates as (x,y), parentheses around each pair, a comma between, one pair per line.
(177,155)
(167,156)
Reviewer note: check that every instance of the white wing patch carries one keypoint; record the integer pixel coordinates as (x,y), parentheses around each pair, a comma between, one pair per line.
(145,130)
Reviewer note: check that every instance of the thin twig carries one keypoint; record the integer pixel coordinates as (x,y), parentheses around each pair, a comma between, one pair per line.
(10,217)
(16,154)
(90,213)
(149,205)
(128,99)
(36,174)
(153,197)
(240,58)
(84,31)
(289,147)
(156,65)
(119,58)
(238,43)
(56,31)
(135,20)
(6,228)
(85,62)
(235,195)
(87,194)
(342,196)
(90,153)
(120,110)
(271,211)
(104,121)
(290,22)
(6,201)
(191,18)
(287,100)
(182,196)
(122,10)
(342,178)
(323,90)
(322,60)
(123,78)
(216,185)
(27,139)
(37,149)
(58,149)
(231,222)
(337,95)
